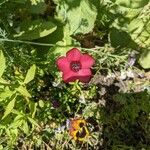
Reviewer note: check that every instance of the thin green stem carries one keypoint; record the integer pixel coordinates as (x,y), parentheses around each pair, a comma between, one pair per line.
(26,42)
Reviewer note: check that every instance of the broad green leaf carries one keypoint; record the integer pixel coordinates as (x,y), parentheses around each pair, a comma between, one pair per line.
(30,74)
(140,32)
(80,15)
(31,30)
(2,63)
(82,18)
(132,3)
(9,107)
(135,23)
(145,59)
(64,45)
(132,13)
(124,41)
(22,90)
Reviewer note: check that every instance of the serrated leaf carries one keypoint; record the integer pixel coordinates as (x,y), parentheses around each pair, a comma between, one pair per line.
(30,74)
(35,29)
(145,59)
(22,90)
(9,107)
(2,63)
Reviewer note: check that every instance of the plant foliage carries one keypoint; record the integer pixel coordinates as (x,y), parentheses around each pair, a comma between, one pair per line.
(36,105)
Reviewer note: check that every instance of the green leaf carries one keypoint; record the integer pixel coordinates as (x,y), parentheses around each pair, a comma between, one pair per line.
(9,107)
(90,110)
(80,15)
(1,147)
(33,108)
(41,103)
(132,3)
(25,127)
(140,31)
(22,90)
(6,94)
(39,8)
(2,81)
(124,41)
(30,74)
(33,122)
(64,45)
(2,63)
(19,1)
(17,122)
(145,59)
(31,30)
(35,2)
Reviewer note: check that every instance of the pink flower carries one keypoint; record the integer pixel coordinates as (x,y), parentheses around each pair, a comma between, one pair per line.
(75,66)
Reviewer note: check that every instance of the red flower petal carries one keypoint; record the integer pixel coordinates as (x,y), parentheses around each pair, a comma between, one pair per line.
(63,64)
(73,55)
(69,76)
(87,61)
(83,75)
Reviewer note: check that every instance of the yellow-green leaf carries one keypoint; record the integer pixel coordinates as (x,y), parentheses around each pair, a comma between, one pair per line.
(2,81)
(33,122)
(9,107)
(31,30)
(145,59)
(25,127)
(2,63)
(30,74)
(22,90)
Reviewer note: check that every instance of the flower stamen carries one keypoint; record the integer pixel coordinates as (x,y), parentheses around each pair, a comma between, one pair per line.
(75,66)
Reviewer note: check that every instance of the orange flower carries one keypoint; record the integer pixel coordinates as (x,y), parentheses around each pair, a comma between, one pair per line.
(78,129)
(77,123)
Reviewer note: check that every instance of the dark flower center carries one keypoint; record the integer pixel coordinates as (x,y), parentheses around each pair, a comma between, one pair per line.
(81,124)
(82,133)
(75,66)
